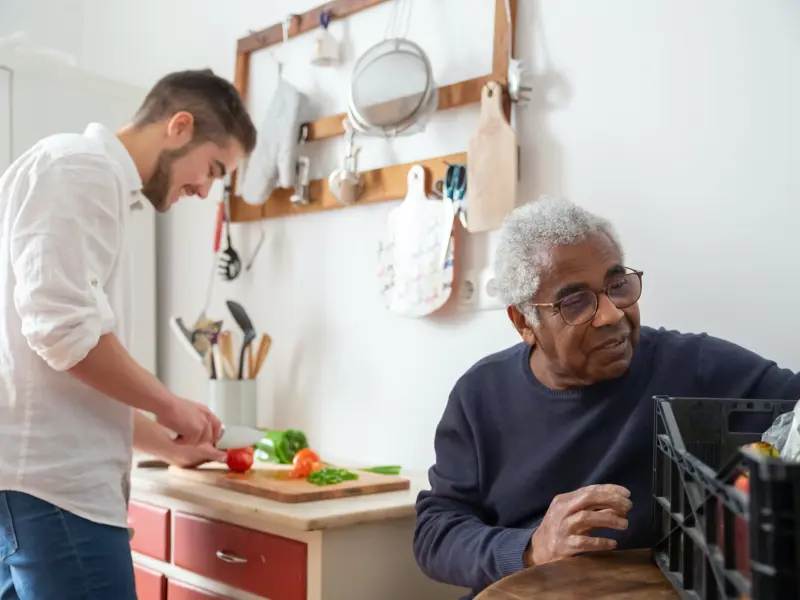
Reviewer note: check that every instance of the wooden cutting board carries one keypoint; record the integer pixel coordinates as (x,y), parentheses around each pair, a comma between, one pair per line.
(270,482)
(492,169)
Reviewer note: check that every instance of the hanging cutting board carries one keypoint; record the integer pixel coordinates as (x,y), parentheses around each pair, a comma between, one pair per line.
(492,169)
(416,252)
(270,482)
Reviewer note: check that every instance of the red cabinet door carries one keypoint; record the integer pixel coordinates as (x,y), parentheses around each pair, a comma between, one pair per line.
(182,591)
(150,529)
(260,563)
(150,585)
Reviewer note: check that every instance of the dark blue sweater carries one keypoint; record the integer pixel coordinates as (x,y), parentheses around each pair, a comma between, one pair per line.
(507,445)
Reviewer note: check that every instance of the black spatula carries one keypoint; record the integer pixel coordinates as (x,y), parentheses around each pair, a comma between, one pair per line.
(243,321)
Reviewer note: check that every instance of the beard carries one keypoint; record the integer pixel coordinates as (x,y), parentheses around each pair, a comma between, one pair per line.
(157,188)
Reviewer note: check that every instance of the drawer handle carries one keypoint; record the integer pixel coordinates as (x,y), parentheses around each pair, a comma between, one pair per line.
(229,557)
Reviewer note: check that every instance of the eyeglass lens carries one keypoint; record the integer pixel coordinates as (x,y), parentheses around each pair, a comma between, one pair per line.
(581,306)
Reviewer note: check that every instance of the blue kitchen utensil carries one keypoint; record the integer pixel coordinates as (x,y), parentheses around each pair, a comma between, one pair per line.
(452,189)
(455,184)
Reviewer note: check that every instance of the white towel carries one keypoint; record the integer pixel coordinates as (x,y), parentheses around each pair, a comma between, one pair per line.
(274,160)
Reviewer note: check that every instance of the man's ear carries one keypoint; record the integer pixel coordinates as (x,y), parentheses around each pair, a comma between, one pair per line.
(180,130)
(522,325)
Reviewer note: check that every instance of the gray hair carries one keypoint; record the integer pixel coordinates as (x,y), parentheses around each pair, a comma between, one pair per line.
(528,235)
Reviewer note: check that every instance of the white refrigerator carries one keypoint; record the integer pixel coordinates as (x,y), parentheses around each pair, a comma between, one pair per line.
(41,96)
(5,119)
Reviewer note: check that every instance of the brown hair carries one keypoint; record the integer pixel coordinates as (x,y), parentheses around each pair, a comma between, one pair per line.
(218,109)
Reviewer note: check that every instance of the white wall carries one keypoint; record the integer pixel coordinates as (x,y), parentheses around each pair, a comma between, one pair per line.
(676,119)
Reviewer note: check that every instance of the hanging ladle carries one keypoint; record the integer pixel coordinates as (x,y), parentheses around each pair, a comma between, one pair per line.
(230,265)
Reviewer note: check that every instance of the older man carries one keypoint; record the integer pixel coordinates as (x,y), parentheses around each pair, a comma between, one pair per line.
(544,450)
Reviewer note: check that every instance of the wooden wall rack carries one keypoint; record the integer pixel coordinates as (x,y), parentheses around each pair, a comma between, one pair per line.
(380,185)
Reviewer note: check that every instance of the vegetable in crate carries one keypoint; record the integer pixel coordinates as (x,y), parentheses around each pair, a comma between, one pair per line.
(765,449)
(279,447)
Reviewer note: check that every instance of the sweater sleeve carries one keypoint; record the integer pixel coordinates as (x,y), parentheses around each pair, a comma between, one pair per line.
(730,371)
(453,543)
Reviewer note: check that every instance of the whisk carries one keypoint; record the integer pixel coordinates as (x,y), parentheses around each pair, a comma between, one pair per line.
(230,265)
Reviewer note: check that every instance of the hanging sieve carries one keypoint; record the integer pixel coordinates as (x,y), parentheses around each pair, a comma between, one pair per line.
(392,91)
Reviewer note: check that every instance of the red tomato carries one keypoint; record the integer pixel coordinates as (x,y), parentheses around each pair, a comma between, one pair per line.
(304,455)
(305,461)
(240,459)
(742,483)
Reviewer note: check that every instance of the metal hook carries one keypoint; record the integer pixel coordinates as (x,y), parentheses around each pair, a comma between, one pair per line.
(325,19)
(286,25)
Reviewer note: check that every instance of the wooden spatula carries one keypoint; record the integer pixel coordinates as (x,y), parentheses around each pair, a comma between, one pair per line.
(491,165)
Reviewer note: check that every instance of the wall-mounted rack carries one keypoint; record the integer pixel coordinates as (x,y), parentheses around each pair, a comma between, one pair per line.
(386,183)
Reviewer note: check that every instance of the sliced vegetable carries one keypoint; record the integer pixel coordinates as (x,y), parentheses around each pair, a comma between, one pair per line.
(305,461)
(279,447)
(387,470)
(329,476)
(305,454)
(240,459)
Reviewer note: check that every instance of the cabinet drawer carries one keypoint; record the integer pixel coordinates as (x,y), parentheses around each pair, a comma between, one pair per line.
(150,529)
(181,591)
(150,585)
(260,563)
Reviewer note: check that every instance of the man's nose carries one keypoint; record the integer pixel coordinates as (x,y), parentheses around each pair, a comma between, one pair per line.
(607,313)
(202,190)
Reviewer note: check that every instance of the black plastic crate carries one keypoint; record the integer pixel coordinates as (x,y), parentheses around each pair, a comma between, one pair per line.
(705,524)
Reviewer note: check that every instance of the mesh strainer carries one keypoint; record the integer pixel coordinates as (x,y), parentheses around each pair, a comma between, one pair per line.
(392,91)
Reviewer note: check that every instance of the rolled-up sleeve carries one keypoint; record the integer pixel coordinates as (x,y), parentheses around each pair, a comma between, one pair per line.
(64,241)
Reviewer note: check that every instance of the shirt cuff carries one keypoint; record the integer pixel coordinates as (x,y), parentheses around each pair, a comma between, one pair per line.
(74,347)
(510,550)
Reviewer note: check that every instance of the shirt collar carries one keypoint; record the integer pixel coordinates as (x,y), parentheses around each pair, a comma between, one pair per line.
(118,152)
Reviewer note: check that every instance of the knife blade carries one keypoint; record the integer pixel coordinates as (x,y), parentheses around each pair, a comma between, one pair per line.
(238,436)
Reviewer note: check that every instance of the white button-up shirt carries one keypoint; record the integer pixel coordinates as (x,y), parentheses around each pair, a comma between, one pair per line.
(65,273)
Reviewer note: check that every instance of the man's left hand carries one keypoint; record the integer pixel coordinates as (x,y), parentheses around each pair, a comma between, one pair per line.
(187,456)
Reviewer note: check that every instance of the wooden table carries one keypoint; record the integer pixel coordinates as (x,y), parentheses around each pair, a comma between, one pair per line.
(624,575)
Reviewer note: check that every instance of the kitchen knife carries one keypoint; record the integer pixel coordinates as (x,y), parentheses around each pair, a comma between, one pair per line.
(233,436)
(238,436)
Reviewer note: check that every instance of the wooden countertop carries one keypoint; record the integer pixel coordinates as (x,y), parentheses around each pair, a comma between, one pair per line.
(624,575)
(157,483)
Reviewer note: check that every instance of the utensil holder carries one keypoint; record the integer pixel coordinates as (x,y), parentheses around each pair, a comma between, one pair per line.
(234,401)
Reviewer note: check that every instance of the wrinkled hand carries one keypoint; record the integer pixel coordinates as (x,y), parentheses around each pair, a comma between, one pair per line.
(194,423)
(187,457)
(564,530)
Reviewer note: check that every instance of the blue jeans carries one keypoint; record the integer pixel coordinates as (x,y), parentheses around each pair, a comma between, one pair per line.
(50,554)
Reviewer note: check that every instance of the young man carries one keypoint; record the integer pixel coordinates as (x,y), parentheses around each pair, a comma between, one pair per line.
(69,390)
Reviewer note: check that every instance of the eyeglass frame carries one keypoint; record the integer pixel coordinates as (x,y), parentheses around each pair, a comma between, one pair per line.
(603,290)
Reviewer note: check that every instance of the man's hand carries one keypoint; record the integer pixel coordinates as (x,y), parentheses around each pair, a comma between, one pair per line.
(564,531)
(192,421)
(187,457)
(149,437)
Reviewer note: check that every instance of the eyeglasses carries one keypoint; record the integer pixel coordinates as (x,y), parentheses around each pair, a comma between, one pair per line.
(580,307)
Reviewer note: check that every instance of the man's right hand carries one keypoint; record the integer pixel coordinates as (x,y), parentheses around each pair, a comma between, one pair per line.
(564,530)
(192,421)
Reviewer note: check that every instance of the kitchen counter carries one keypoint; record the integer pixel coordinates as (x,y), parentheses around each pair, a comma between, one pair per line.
(306,516)
(226,544)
